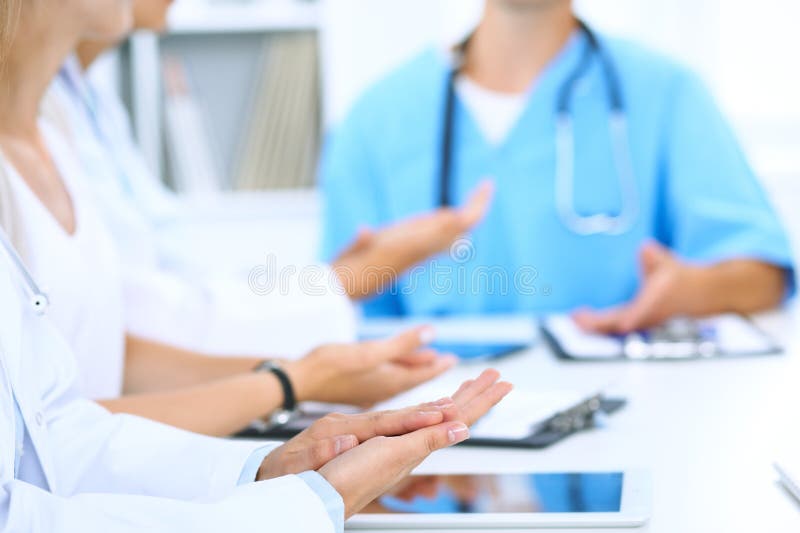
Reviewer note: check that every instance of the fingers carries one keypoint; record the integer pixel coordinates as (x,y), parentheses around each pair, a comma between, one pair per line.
(472,400)
(604,322)
(381,423)
(478,205)
(480,405)
(475,397)
(369,470)
(400,346)
(421,373)
(652,255)
(362,241)
(423,442)
(649,308)
(320,453)
(419,358)
(364,238)
(472,388)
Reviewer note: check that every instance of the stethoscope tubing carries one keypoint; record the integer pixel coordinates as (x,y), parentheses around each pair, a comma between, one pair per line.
(565,145)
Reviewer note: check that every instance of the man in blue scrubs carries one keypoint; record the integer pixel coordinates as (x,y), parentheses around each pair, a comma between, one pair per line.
(704,238)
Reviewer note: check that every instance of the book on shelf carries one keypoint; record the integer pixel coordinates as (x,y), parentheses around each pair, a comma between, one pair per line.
(193,162)
(281,141)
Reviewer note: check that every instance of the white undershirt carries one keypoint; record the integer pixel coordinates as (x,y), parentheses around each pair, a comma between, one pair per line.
(79,272)
(496,113)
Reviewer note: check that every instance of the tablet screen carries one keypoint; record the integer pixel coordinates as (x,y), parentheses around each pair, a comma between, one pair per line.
(515,493)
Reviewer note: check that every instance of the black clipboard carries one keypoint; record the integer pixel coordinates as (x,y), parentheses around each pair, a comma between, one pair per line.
(581,417)
(638,347)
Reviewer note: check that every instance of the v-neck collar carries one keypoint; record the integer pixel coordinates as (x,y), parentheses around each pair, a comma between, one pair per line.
(22,187)
(548,81)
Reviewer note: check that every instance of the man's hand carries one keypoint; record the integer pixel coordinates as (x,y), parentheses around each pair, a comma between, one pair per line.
(666,291)
(671,287)
(365,472)
(368,372)
(376,259)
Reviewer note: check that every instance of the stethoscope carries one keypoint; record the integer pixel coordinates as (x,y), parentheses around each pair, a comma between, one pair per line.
(38,299)
(612,224)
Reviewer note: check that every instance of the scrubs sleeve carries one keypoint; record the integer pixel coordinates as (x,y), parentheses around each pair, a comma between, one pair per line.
(716,209)
(353,197)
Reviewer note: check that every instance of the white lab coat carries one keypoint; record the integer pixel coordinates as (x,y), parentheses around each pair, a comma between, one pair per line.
(87,470)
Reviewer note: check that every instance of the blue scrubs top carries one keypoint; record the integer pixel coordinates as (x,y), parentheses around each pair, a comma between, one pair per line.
(697,193)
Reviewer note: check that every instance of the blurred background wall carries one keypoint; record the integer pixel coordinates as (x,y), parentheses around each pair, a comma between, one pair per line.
(267,78)
(746,51)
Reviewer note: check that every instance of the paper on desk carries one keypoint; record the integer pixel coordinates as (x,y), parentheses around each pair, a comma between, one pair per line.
(520,329)
(733,335)
(577,342)
(737,335)
(514,418)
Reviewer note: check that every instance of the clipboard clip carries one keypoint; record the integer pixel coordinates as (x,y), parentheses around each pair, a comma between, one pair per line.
(581,416)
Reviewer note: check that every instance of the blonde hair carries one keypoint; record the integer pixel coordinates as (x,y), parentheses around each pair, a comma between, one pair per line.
(9,18)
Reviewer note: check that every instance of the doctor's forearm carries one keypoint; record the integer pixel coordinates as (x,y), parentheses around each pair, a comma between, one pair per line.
(218,408)
(740,286)
(153,367)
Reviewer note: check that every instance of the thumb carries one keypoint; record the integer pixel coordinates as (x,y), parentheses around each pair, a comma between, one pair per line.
(478,204)
(423,442)
(321,452)
(363,240)
(652,255)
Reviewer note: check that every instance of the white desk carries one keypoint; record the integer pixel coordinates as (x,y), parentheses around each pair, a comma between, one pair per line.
(707,430)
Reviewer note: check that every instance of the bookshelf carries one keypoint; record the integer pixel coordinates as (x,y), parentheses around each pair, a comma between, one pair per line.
(222,47)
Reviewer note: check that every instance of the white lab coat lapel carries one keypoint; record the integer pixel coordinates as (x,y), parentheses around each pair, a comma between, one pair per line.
(8,337)
(10,348)
(10,327)
(18,332)
(37,378)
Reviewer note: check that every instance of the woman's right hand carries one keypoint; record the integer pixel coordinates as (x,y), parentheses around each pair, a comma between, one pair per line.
(366,373)
(368,470)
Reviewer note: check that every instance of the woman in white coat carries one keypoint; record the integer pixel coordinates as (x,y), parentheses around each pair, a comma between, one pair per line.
(69,465)
(70,253)
(173,292)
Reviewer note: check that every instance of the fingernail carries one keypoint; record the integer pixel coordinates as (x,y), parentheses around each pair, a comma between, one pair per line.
(430,413)
(458,433)
(427,335)
(444,402)
(450,360)
(342,443)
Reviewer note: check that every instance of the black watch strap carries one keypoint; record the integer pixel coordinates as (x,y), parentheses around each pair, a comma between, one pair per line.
(289,399)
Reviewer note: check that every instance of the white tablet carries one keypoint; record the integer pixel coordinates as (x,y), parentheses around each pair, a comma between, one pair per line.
(512,501)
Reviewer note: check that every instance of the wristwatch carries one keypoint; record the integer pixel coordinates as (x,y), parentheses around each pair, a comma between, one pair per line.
(288,410)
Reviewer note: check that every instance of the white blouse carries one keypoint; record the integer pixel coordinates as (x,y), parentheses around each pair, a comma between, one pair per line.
(79,272)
